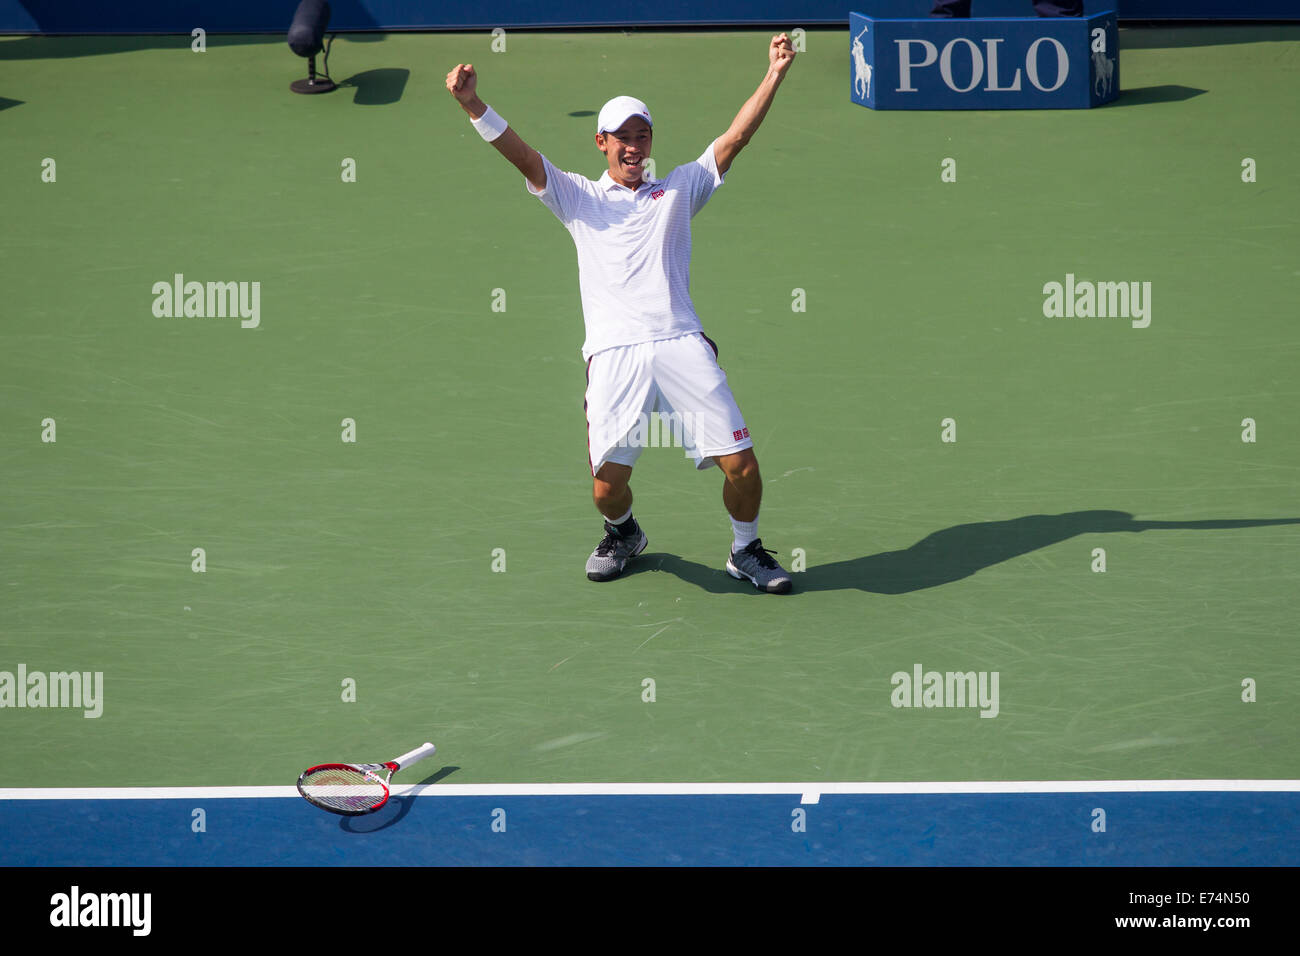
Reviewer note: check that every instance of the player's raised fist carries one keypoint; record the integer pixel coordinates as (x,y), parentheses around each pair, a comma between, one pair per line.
(462,82)
(780,54)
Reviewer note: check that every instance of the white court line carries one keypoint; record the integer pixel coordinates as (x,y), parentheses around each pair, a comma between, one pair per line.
(806,792)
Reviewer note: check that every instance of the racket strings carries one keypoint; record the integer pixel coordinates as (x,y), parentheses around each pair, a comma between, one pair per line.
(343,788)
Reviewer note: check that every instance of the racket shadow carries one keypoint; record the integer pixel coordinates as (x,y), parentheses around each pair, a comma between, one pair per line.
(397,807)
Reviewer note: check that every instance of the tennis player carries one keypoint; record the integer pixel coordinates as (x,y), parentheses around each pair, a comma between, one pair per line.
(646,351)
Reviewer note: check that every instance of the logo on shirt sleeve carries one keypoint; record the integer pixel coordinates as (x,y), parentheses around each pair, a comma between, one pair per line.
(739,434)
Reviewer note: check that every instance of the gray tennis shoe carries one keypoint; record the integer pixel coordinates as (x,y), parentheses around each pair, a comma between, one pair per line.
(756,563)
(613,553)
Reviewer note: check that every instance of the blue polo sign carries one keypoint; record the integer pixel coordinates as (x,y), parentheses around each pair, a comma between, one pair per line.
(989,64)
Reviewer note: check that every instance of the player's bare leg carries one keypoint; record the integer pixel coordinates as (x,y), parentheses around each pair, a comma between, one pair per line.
(610,490)
(624,539)
(742,491)
(742,494)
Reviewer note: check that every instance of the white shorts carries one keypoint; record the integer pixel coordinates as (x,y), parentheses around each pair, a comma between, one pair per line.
(668,393)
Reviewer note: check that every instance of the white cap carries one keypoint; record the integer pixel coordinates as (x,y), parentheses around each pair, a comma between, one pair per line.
(618,110)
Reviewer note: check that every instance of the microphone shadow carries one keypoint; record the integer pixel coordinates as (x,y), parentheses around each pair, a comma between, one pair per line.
(379,87)
(944,556)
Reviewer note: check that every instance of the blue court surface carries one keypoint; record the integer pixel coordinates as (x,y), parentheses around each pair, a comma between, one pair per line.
(1187,828)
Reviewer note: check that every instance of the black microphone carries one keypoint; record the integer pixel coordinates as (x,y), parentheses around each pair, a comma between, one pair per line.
(306,33)
(310,21)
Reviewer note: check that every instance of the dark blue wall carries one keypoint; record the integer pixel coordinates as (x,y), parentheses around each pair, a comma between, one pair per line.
(231,16)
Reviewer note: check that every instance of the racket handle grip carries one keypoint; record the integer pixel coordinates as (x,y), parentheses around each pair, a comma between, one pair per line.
(419,753)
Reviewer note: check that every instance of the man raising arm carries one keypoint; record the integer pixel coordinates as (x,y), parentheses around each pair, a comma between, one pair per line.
(462,83)
(779,55)
(645,347)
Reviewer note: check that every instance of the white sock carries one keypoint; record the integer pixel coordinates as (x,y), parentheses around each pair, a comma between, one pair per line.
(618,521)
(745,533)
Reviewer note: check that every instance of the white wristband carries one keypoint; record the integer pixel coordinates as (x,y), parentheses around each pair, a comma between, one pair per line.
(489,125)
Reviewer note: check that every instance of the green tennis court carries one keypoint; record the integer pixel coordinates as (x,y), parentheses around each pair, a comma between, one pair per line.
(435,304)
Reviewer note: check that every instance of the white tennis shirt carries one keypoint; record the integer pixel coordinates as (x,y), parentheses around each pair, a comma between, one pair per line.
(634,249)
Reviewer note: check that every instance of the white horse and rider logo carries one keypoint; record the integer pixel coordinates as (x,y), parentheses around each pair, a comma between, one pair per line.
(1103,66)
(1103,69)
(861,68)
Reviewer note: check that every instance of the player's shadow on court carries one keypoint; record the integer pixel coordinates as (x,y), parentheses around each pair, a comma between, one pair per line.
(948,555)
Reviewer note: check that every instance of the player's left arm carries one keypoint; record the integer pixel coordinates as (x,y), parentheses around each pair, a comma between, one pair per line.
(780,54)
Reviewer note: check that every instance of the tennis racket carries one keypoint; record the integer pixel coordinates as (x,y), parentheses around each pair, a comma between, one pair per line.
(354,788)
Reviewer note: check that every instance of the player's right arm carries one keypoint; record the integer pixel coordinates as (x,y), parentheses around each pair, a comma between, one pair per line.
(462,83)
